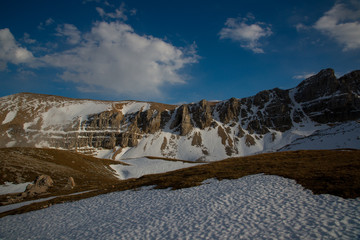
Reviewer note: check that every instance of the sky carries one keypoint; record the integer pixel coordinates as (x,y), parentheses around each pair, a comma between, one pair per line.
(172,51)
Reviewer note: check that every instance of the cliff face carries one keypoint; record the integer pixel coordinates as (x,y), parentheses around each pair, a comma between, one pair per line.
(325,98)
(197,131)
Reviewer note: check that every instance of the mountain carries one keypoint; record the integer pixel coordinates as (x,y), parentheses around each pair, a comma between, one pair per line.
(321,108)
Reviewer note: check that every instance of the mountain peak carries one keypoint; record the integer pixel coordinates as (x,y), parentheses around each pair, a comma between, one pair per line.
(319,85)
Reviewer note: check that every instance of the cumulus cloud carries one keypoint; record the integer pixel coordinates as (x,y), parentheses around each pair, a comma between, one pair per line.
(69,31)
(342,23)
(10,51)
(248,34)
(112,56)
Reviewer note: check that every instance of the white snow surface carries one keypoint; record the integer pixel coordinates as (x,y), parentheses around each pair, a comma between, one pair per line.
(68,113)
(253,207)
(10,187)
(142,166)
(9,117)
(133,107)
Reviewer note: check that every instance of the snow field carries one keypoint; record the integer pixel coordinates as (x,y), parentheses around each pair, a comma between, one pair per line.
(253,207)
(142,166)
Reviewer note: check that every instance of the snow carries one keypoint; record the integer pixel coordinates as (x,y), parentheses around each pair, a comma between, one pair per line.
(133,107)
(9,117)
(143,166)
(253,207)
(346,135)
(297,106)
(9,207)
(104,153)
(10,144)
(66,114)
(10,187)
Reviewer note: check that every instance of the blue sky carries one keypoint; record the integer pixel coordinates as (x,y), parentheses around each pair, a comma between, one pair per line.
(172,51)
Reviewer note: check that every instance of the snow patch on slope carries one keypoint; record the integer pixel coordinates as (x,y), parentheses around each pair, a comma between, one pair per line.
(9,187)
(143,166)
(133,107)
(252,207)
(56,116)
(346,135)
(9,117)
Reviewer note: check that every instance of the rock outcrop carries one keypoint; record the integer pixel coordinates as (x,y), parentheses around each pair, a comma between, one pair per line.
(325,98)
(70,183)
(41,185)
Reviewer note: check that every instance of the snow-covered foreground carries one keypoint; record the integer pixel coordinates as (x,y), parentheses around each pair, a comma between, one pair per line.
(253,207)
(142,166)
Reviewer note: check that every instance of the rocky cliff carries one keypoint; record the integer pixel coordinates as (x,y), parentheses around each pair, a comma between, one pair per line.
(197,131)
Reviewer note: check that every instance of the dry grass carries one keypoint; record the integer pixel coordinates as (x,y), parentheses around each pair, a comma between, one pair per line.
(25,164)
(333,172)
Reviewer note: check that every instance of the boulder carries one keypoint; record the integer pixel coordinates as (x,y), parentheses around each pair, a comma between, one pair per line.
(41,185)
(70,184)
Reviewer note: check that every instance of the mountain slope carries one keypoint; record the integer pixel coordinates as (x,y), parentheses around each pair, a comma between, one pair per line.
(269,121)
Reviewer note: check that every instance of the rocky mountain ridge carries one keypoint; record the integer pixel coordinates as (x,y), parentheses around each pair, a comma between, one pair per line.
(268,121)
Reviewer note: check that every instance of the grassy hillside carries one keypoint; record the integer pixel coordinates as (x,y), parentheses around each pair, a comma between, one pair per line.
(25,164)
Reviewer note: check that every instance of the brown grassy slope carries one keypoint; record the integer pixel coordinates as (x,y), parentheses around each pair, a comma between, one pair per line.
(333,172)
(24,164)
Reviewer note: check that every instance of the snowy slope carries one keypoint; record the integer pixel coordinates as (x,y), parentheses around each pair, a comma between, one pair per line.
(253,207)
(346,135)
(142,166)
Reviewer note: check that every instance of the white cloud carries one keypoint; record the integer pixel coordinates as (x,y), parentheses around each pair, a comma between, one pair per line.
(10,51)
(342,24)
(248,34)
(101,11)
(303,76)
(113,57)
(69,31)
(118,14)
(301,27)
(27,39)
(48,22)
(25,74)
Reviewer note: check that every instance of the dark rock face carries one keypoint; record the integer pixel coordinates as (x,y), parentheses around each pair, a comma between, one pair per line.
(201,114)
(325,98)
(182,120)
(268,109)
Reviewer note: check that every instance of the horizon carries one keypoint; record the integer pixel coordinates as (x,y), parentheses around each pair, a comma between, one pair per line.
(170,52)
